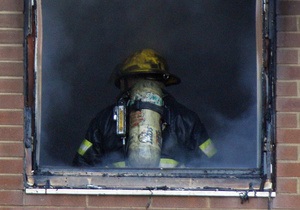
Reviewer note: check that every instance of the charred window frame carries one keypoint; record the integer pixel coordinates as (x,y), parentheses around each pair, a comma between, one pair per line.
(207,182)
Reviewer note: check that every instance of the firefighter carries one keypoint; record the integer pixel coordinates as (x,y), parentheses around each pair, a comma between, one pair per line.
(146,127)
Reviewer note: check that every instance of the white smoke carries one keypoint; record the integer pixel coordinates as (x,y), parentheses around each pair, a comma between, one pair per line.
(210,44)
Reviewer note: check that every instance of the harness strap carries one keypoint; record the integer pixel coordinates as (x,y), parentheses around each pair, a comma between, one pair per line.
(138,105)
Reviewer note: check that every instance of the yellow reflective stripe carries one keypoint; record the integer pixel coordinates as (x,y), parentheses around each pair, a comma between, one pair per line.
(208,148)
(85,145)
(120,164)
(168,163)
(164,163)
(121,120)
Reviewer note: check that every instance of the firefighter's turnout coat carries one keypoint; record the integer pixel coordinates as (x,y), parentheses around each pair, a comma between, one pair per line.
(184,139)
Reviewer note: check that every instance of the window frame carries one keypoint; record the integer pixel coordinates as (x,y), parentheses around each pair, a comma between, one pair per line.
(256,182)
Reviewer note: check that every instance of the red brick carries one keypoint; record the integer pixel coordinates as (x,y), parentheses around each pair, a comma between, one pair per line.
(11,133)
(288,72)
(11,166)
(288,104)
(180,202)
(285,39)
(286,185)
(288,136)
(55,200)
(11,37)
(11,149)
(287,23)
(287,56)
(118,201)
(235,203)
(11,53)
(285,120)
(284,209)
(288,169)
(11,85)
(288,8)
(12,198)
(286,202)
(11,5)
(66,208)
(11,101)
(11,117)
(286,89)
(11,69)
(11,20)
(287,152)
(11,182)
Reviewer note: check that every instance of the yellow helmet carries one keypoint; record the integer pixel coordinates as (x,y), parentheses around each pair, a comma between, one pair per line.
(145,63)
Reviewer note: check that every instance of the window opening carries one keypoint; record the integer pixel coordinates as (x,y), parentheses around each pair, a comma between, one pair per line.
(51,129)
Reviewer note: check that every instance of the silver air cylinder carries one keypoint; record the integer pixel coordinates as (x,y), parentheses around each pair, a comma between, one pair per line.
(144,144)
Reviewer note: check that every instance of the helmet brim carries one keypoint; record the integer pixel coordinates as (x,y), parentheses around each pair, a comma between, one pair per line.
(168,79)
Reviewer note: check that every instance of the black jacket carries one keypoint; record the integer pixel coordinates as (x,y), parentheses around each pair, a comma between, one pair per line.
(181,137)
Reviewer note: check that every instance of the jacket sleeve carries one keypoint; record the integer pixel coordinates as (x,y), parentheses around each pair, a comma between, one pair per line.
(201,146)
(187,129)
(197,143)
(90,152)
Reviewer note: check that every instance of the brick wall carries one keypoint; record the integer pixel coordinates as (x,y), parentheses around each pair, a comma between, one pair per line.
(11,103)
(11,128)
(288,105)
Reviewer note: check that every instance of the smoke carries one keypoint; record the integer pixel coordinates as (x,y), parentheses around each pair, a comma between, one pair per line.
(209,44)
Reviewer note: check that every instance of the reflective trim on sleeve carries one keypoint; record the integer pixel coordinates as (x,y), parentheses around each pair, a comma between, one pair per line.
(85,145)
(208,148)
(120,164)
(168,163)
(164,163)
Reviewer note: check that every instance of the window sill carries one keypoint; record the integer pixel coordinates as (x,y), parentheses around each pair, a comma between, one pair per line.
(82,182)
(151,192)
